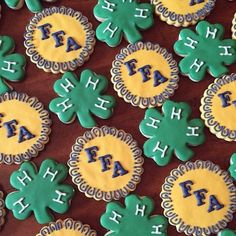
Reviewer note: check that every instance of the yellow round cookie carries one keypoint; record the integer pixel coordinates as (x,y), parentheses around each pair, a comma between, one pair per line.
(67,227)
(55,47)
(144,74)
(183,12)
(196,206)
(24,127)
(105,163)
(218,107)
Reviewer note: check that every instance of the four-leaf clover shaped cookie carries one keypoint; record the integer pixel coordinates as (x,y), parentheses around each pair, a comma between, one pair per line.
(205,50)
(171,132)
(82,98)
(122,18)
(39,191)
(227,232)
(232,168)
(33,5)
(133,219)
(12,66)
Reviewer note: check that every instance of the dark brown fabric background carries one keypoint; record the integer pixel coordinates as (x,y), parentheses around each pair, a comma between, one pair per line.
(40,84)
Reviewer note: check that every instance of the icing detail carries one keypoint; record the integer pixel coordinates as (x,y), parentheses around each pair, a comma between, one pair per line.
(184,132)
(55,47)
(12,65)
(232,168)
(114,16)
(234,27)
(195,47)
(67,227)
(23,131)
(2,210)
(136,212)
(33,6)
(105,163)
(184,12)
(82,98)
(152,70)
(218,107)
(186,190)
(56,196)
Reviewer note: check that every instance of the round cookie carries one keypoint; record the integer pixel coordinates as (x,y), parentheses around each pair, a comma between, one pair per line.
(23,131)
(195,48)
(234,27)
(122,18)
(106,163)
(67,227)
(218,107)
(39,191)
(55,47)
(184,12)
(144,74)
(33,5)
(133,219)
(196,206)
(2,210)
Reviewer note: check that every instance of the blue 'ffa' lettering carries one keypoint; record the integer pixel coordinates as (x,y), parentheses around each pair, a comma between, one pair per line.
(145,72)
(118,169)
(200,196)
(71,44)
(10,127)
(194,2)
(24,134)
(225,99)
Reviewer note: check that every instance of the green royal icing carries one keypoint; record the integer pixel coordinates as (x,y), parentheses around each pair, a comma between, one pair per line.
(12,66)
(82,98)
(39,191)
(134,219)
(171,132)
(205,51)
(232,168)
(33,5)
(227,232)
(120,17)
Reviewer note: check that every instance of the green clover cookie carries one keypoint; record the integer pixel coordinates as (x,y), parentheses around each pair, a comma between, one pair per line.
(33,5)
(171,132)
(12,66)
(134,219)
(227,232)
(82,98)
(39,191)
(232,168)
(205,51)
(122,17)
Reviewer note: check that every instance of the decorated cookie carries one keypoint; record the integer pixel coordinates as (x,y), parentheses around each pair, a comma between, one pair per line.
(227,232)
(145,74)
(196,206)
(24,127)
(171,132)
(67,227)
(33,5)
(55,47)
(12,66)
(133,219)
(184,12)
(232,168)
(218,107)
(82,98)
(234,27)
(122,18)
(205,50)
(39,191)
(106,163)
(2,210)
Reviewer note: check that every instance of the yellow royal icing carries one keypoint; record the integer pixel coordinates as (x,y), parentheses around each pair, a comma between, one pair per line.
(225,115)
(66,232)
(157,62)
(26,116)
(182,6)
(91,172)
(72,28)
